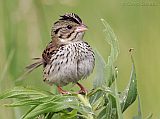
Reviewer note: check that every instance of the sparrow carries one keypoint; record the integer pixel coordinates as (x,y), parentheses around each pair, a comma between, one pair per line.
(67,58)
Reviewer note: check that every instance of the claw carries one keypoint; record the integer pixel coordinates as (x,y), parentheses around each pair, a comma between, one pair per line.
(83,90)
(60,90)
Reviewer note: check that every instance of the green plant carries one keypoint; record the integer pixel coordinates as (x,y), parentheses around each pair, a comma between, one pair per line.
(103,102)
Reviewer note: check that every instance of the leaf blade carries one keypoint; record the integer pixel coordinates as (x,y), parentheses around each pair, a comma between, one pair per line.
(129,95)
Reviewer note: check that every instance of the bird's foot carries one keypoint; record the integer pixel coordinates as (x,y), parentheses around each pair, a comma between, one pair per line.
(83,90)
(60,90)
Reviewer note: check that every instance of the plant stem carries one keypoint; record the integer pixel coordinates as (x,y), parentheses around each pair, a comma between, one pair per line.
(85,101)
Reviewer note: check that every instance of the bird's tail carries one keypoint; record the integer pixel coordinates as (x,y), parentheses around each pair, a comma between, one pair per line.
(35,65)
(30,68)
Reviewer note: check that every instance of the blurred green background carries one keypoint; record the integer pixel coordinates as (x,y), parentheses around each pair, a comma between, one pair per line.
(25,31)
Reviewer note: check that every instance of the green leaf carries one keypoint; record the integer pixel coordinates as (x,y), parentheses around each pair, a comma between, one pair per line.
(56,116)
(113,42)
(98,103)
(32,108)
(100,78)
(106,112)
(103,114)
(105,72)
(139,116)
(117,100)
(109,110)
(106,76)
(93,98)
(29,102)
(45,102)
(56,106)
(98,93)
(20,92)
(128,96)
(70,115)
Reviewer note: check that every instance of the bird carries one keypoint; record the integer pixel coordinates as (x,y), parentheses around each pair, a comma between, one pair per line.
(67,58)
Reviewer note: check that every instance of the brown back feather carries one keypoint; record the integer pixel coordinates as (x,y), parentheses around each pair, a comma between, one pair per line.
(49,51)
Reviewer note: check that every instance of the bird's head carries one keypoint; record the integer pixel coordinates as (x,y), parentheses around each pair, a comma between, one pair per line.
(69,28)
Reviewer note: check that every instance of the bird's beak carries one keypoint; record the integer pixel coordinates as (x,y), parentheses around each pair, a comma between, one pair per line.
(81,28)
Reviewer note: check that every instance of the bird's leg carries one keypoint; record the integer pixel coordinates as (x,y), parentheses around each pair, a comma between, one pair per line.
(60,90)
(83,90)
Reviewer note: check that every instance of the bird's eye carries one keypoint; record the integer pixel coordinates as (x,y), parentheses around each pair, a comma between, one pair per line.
(69,26)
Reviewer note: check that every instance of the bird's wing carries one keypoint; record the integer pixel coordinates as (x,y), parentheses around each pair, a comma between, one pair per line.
(46,56)
(48,52)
